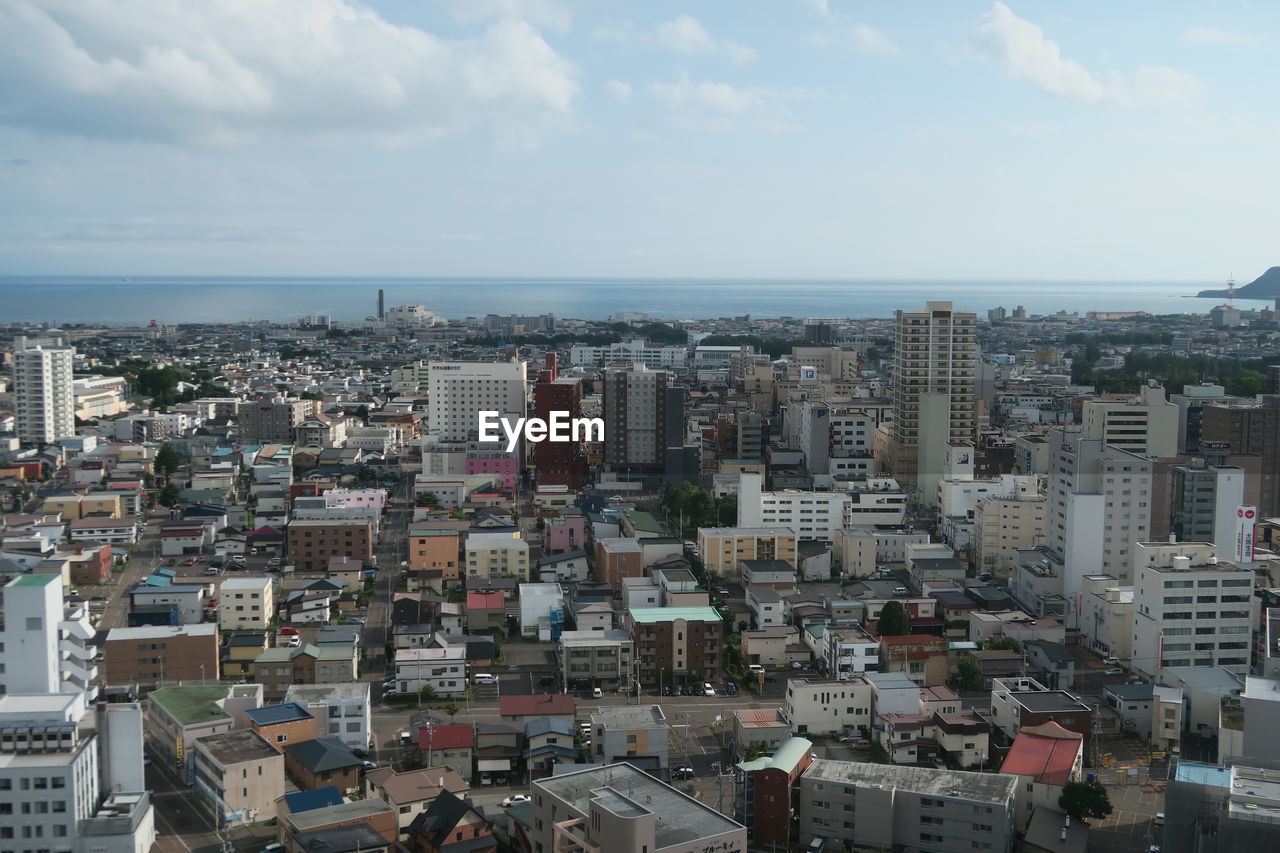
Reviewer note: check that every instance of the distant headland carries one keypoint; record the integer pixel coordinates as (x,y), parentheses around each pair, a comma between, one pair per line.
(1265,286)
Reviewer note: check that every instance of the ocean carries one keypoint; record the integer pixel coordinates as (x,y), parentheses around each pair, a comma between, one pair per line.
(189,299)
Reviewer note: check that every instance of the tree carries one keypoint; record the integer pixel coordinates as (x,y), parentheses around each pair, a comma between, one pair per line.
(970,674)
(1002,644)
(727,511)
(451,709)
(427,499)
(167,460)
(893,620)
(169,494)
(1083,800)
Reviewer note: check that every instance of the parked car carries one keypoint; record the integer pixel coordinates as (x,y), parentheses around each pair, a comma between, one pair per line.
(731,688)
(682,773)
(188,562)
(1158,820)
(1115,670)
(707,689)
(597,693)
(367,765)
(486,779)
(274,561)
(354,620)
(294,642)
(288,631)
(201,558)
(514,800)
(1111,661)
(273,847)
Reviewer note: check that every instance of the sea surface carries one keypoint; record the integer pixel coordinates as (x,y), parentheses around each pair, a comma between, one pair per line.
(189,299)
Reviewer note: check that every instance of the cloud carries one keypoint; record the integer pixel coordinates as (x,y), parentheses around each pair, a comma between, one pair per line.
(228,72)
(1221,38)
(865,39)
(1027,55)
(686,35)
(541,13)
(819,6)
(619,90)
(725,99)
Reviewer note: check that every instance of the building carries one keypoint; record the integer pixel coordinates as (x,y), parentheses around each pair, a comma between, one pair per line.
(848,650)
(1212,808)
(1247,429)
(765,788)
(443,669)
(643,416)
(282,724)
(1020,702)
(723,549)
(616,559)
(878,806)
(312,541)
(273,420)
(341,710)
(676,645)
(1003,525)
(276,669)
(153,655)
(1045,758)
(934,353)
(923,657)
(1203,501)
(51,640)
(411,792)
(828,708)
(812,515)
(320,762)
(43,392)
(559,463)
(451,823)
(633,352)
(246,603)
(458,391)
(638,734)
(604,659)
(1190,609)
(622,809)
(1145,424)
(240,775)
(178,716)
(496,555)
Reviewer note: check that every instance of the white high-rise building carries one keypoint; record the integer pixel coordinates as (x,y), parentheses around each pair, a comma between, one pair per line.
(1146,423)
(44,395)
(1190,609)
(935,353)
(47,650)
(459,390)
(812,515)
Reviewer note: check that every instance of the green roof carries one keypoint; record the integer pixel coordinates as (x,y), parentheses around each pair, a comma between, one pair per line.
(192,704)
(34,580)
(670,614)
(786,757)
(644,521)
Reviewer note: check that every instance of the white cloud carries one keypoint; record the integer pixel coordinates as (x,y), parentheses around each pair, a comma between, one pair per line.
(226,72)
(724,99)
(863,38)
(686,35)
(1222,38)
(541,13)
(619,90)
(819,6)
(1025,52)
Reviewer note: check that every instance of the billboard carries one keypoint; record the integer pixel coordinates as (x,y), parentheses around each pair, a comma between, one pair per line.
(1246,517)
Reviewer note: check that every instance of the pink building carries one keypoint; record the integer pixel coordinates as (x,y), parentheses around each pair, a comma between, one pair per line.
(566,533)
(507,470)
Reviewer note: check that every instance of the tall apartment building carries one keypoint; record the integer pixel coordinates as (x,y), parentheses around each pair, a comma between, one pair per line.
(750,430)
(151,655)
(559,463)
(1146,423)
(877,806)
(273,419)
(643,417)
(935,353)
(1190,609)
(1203,504)
(38,628)
(676,644)
(459,390)
(723,548)
(246,603)
(43,391)
(1252,429)
(622,809)
(1002,525)
(1099,506)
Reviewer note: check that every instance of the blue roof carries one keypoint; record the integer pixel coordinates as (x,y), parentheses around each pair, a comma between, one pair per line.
(306,801)
(1203,774)
(158,580)
(269,715)
(169,573)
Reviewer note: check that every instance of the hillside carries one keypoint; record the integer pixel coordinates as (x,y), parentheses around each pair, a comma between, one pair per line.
(1265,286)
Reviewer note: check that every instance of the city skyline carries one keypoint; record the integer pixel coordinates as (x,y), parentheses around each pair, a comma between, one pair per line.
(801,139)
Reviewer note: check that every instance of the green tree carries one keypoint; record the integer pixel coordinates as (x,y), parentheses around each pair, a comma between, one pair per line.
(1084,800)
(970,674)
(169,494)
(451,709)
(727,511)
(1003,644)
(167,460)
(427,499)
(893,620)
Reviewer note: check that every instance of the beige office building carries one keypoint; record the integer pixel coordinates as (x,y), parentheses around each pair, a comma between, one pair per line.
(723,548)
(1003,525)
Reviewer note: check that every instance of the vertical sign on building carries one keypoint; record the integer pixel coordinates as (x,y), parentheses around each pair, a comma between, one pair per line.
(1246,516)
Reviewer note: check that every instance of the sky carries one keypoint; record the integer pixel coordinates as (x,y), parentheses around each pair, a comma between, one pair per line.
(947,139)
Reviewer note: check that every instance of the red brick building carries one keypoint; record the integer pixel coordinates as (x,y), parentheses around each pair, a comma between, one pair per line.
(311,542)
(559,463)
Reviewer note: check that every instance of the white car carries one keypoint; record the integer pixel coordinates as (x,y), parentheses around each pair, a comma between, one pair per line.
(1111,661)
(515,800)
(707,689)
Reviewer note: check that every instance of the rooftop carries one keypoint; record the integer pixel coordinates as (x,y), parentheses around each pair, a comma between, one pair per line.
(648,615)
(191,705)
(237,746)
(322,754)
(1046,700)
(625,789)
(1046,752)
(162,632)
(995,788)
(271,715)
(628,717)
(352,811)
(416,785)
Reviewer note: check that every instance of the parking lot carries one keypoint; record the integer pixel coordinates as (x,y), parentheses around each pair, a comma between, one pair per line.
(1130,826)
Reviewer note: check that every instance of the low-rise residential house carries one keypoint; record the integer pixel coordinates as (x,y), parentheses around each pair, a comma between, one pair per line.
(601,659)
(487,555)
(499,747)
(239,651)
(451,825)
(185,601)
(450,745)
(279,668)
(522,708)
(765,605)
(246,603)
(829,708)
(1052,664)
(922,657)
(637,734)
(1045,758)
(848,650)
(1133,703)
(779,574)
(318,821)
(444,670)
(239,775)
(764,729)
(564,567)
(108,531)
(592,615)
(411,792)
(549,741)
(616,559)
(320,762)
(486,612)
(282,724)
